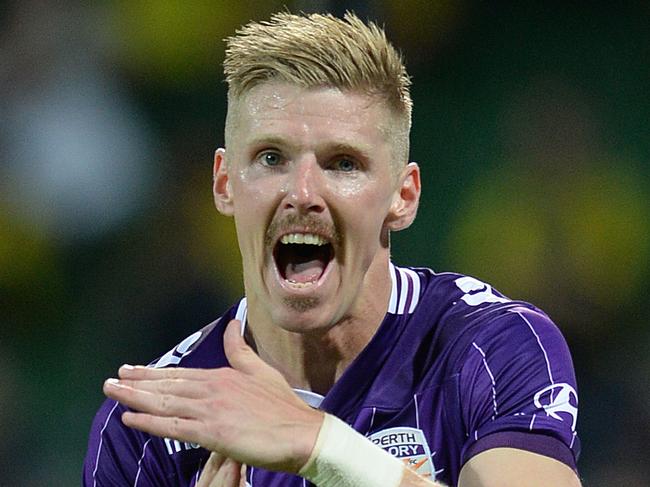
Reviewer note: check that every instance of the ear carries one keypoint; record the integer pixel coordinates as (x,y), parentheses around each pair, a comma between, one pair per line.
(221,184)
(405,200)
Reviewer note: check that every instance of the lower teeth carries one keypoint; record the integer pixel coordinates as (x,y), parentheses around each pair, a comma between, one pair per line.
(300,284)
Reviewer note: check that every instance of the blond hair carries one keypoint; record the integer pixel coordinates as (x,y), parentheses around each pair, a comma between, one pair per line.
(319,50)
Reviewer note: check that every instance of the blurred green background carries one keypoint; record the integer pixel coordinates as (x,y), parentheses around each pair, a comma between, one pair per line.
(530,126)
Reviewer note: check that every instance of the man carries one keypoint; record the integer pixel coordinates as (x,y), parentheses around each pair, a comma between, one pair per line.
(445,380)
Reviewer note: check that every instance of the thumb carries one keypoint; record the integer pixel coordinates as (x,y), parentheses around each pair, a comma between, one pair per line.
(239,354)
(220,471)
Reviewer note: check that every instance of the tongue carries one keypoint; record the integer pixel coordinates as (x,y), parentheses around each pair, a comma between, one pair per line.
(306,271)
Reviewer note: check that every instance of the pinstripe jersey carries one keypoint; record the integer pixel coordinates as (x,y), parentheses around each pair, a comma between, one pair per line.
(455,368)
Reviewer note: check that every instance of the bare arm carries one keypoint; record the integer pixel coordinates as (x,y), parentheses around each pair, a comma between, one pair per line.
(506,467)
(510,467)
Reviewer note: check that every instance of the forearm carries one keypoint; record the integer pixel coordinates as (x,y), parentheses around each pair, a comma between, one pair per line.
(342,457)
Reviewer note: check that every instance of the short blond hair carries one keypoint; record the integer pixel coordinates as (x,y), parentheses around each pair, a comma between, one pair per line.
(319,50)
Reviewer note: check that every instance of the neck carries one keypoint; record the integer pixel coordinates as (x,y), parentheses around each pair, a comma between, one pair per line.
(314,361)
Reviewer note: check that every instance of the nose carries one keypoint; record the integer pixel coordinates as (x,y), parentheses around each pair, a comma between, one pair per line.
(304,188)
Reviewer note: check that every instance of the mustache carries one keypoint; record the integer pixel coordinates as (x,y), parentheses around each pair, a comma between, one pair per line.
(307,223)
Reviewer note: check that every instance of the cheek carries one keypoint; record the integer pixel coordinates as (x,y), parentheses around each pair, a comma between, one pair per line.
(365,213)
(352,189)
(253,187)
(248,214)
(252,198)
(369,198)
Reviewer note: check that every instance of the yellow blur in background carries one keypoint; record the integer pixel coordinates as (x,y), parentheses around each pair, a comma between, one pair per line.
(529,126)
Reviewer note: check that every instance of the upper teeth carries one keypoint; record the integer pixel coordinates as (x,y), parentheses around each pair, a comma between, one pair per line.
(303,238)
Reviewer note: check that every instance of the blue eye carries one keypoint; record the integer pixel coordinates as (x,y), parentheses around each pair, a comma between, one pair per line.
(346,165)
(270,159)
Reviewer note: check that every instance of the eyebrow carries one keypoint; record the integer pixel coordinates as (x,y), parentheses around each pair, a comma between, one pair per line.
(340,147)
(345,148)
(268,140)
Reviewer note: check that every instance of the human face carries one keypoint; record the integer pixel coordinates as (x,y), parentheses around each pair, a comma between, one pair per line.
(307,175)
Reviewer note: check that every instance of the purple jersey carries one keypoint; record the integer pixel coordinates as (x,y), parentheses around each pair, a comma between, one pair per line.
(455,369)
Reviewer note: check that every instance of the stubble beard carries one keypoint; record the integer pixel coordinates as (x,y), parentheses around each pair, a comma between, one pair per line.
(301,304)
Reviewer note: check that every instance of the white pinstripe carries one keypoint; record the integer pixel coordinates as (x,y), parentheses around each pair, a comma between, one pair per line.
(372,420)
(417,411)
(539,341)
(101,441)
(198,472)
(144,450)
(494,388)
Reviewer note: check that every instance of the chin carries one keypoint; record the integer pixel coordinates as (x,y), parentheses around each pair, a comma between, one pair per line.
(304,314)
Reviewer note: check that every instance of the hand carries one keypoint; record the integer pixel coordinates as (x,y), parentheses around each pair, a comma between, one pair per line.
(222,472)
(248,413)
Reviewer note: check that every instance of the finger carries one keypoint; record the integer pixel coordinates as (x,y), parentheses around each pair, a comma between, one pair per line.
(227,474)
(176,387)
(181,429)
(210,469)
(240,356)
(148,402)
(242,476)
(140,372)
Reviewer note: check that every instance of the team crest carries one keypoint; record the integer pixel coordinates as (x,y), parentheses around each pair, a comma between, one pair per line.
(410,446)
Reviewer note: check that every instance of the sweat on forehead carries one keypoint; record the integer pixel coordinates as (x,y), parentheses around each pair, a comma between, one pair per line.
(263,99)
(259,105)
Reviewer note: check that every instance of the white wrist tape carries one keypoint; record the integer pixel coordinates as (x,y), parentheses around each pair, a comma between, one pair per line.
(344,458)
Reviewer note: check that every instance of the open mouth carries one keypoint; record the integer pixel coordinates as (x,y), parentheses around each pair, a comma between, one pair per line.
(302,258)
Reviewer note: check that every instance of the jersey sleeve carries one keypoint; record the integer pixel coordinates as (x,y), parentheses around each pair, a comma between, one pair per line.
(518,388)
(120,456)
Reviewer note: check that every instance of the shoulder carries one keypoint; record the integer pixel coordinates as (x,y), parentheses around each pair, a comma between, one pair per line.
(456,307)
(464,322)
(516,380)
(442,294)
(515,337)
(463,308)
(203,348)
(443,314)
(116,454)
